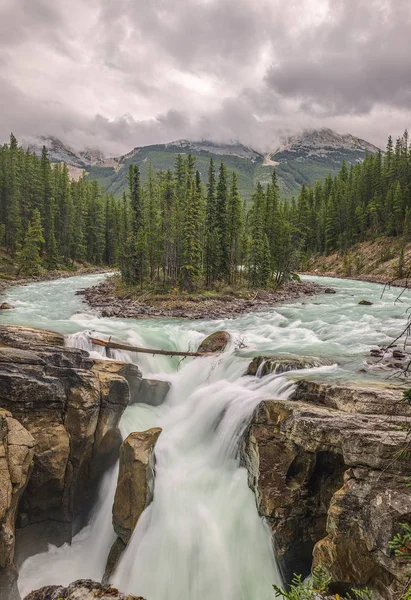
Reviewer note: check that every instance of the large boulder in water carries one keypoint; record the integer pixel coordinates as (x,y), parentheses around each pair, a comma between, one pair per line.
(83,589)
(18,336)
(216,342)
(265,365)
(135,484)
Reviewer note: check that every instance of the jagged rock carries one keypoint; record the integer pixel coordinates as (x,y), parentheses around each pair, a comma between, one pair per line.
(142,391)
(216,342)
(322,465)
(265,365)
(114,556)
(18,336)
(83,589)
(6,306)
(152,392)
(129,371)
(365,303)
(71,407)
(135,483)
(16,463)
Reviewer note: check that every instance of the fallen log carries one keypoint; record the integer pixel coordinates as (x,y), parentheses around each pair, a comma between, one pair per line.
(117,346)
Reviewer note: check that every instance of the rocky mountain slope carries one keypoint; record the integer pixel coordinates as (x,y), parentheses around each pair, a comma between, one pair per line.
(299,160)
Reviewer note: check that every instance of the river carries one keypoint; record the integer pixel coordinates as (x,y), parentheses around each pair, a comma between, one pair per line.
(201,538)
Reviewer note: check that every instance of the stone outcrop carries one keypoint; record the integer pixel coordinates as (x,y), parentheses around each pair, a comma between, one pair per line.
(134,492)
(16,463)
(323,468)
(135,483)
(83,589)
(152,392)
(265,365)
(142,391)
(18,336)
(69,406)
(215,342)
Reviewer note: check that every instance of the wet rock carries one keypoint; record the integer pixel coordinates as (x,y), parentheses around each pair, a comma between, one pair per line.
(72,410)
(323,470)
(16,463)
(114,556)
(365,303)
(83,589)
(329,291)
(135,483)
(6,306)
(142,391)
(216,342)
(152,392)
(129,371)
(265,365)
(18,336)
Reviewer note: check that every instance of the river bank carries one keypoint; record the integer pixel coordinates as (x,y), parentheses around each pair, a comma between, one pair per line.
(384,260)
(381,279)
(51,276)
(106,298)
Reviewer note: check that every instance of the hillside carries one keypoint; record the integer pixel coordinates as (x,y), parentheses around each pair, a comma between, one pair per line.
(299,160)
(376,260)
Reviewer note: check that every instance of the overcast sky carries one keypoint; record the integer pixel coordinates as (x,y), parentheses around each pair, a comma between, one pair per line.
(116,74)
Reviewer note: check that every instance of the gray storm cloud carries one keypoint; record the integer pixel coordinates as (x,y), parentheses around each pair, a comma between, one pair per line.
(127,73)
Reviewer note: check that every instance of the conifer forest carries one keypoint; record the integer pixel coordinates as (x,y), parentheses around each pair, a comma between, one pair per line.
(174,230)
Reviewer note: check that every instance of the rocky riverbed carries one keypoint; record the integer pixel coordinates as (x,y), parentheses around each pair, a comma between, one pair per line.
(105,298)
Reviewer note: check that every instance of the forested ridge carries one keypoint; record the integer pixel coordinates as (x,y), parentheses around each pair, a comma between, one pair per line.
(371,199)
(177,231)
(49,221)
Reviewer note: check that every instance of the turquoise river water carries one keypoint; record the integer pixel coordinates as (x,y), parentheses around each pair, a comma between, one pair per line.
(201,538)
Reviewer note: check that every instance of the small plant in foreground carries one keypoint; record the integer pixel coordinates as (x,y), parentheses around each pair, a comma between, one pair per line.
(305,590)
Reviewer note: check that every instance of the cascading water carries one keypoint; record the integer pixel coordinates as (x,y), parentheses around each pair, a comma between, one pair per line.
(201,538)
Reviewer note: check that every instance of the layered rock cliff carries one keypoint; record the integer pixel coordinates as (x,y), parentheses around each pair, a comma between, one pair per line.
(59,419)
(324,470)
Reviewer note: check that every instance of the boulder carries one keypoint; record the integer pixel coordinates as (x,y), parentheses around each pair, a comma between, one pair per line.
(135,483)
(329,291)
(322,466)
(216,342)
(142,391)
(6,306)
(16,463)
(83,589)
(152,392)
(265,365)
(365,303)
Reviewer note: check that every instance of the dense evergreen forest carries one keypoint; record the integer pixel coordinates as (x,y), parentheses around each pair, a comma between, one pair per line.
(371,199)
(176,231)
(49,221)
(171,231)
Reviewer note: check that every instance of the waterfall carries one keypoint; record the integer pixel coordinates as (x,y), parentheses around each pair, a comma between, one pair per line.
(201,538)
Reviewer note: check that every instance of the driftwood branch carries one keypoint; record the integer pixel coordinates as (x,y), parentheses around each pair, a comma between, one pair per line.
(117,346)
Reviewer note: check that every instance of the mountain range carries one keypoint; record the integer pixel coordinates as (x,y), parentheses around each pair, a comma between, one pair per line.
(300,159)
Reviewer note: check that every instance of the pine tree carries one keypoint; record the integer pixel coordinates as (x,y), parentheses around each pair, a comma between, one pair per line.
(190,269)
(29,257)
(235,227)
(211,253)
(221,225)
